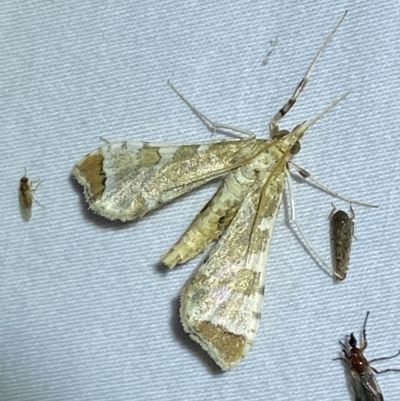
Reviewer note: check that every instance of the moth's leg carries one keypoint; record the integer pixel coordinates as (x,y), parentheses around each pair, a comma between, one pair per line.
(273,125)
(305,174)
(292,218)
(213,126)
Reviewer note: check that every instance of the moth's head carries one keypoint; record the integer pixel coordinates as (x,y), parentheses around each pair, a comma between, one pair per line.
(291,138)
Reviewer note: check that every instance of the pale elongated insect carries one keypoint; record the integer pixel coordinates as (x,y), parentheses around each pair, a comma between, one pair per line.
(26,197)
(363,379)
(342,232)
(221,306)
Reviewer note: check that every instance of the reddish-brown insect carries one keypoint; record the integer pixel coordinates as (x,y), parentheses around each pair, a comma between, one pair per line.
(363,379)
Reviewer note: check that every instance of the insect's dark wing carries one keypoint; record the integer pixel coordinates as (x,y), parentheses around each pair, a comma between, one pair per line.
(365,386)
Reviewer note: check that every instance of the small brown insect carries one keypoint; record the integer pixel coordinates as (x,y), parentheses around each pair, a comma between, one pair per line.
(342,233)
(26,197)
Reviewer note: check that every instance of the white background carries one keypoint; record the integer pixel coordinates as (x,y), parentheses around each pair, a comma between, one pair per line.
(86,310)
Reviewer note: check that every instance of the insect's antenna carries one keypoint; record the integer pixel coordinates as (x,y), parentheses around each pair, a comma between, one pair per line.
(326,110)
(365,325)
(319,54)
(273,125)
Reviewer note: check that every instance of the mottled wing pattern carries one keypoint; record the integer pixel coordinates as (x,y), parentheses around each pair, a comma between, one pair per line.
(126,180)
(218,213)
(342,230)
(221,306)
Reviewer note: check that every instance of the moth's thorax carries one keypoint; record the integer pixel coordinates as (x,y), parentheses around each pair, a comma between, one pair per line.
(265,162)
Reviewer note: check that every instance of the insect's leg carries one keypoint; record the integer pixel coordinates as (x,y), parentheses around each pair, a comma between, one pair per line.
(36,201)
(352,213)
(339,359)
(386,357)
(37,186)
(344,352)
(305,174)
(213,126)
(33,190)
(273,125)
(105,140)
(384,371)
(292,218)
(332,212)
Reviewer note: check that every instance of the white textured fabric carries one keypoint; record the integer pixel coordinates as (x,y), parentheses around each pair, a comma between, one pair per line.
(86,310)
